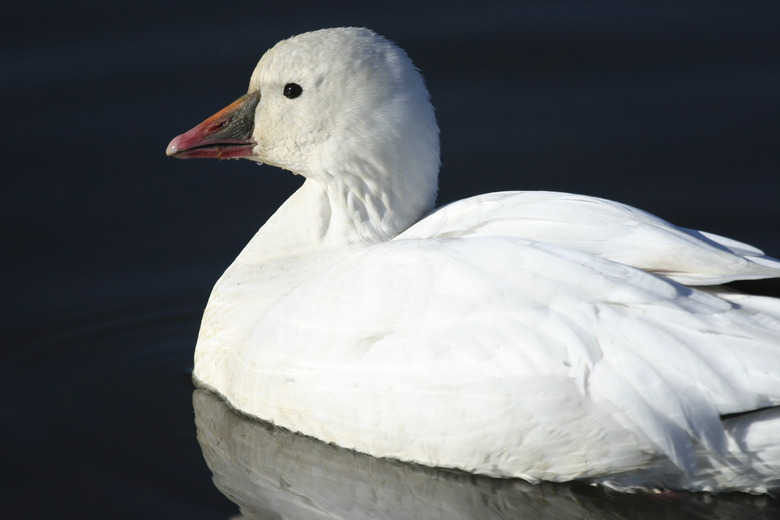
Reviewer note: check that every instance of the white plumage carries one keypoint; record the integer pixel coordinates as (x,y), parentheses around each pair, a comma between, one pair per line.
(524,334)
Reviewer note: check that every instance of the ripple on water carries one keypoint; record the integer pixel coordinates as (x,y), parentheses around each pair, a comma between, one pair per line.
(102,415)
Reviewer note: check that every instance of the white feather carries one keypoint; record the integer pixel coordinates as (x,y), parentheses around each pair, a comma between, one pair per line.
(535,335)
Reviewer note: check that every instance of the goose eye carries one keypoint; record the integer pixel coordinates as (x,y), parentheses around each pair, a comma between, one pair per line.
(292,90)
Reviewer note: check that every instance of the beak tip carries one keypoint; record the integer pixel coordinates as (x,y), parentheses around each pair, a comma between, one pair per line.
(173,147)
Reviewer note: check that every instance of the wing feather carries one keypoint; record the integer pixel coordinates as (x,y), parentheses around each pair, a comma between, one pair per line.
(490,331)
(603,228)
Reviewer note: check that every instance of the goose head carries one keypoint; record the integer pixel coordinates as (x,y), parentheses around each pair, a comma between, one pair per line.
(344,108)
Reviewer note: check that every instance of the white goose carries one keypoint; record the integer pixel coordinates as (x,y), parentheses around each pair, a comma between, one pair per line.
(538,335)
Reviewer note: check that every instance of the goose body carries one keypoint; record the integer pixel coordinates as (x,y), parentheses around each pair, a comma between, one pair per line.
(539,335)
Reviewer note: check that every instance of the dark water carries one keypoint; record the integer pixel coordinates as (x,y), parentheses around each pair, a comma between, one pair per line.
(110,249)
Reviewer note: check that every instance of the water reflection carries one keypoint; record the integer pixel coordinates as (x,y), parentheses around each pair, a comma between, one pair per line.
(272,473)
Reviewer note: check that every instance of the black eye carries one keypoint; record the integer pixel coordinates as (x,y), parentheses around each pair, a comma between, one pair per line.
(292,90)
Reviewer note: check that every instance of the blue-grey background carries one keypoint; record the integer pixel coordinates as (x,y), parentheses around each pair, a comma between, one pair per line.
(110,248)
